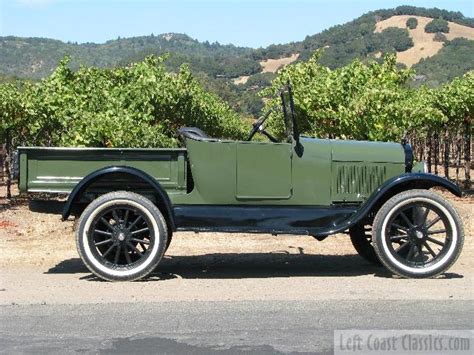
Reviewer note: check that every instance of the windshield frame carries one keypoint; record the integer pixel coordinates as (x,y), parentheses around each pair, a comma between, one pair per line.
(288,106)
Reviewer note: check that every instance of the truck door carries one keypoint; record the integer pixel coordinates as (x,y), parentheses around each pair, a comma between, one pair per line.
(263,171)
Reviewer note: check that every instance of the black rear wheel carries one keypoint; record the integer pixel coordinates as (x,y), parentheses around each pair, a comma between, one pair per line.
(121,236)
(361,238)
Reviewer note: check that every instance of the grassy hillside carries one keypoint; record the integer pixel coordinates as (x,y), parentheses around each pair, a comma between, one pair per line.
(453,60)
(237,73)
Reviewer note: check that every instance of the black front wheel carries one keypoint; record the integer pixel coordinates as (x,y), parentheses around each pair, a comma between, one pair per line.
(122,236)
(417,234)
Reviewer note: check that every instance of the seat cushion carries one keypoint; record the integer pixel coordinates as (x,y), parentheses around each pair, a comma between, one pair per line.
(193,133)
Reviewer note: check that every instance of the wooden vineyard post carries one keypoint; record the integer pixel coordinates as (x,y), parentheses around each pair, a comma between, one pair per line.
(446,154)
(428,151)
(7,166)
(436,152)
(458,154)
(467,152)
(421,147)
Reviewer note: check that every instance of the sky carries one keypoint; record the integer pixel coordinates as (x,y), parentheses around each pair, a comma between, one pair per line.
(252,23)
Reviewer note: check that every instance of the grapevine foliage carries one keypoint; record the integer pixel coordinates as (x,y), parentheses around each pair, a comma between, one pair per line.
(369,101)
(141,105)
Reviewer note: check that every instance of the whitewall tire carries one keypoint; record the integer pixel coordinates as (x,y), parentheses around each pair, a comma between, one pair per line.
(121,236)
(417,234)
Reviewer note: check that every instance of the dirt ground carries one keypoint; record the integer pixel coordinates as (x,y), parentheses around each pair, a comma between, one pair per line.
(39,264)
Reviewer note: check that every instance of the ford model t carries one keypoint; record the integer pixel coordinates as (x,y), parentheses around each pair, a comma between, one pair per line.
(131,201)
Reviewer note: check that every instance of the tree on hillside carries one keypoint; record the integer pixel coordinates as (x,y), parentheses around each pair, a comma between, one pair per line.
(396,39)
(437,25)
(439,37)
(412,23)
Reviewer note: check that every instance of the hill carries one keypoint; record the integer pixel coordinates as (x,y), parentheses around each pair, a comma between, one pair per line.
(385,31)
(237,73)
(37,57)
(424,44)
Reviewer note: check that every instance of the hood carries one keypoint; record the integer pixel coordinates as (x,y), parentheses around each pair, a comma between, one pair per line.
(370,152)
(364,151)
(358,168)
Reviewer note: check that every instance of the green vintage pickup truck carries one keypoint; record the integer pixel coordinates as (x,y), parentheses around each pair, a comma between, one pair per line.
(131,201)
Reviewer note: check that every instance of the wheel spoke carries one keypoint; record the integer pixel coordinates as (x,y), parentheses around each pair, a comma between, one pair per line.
(399,227)
(134,223)
(411,252)
(117,254)
(125,217)
(139,231)
(439,231)
(425,215)
(141,241)
(405,218)
(104,242)
(398,237)
(134,249)
(418,215)
(108,251)
(425,243)
(116,217)
(433,222)
(107,223)
(432,240)
(102,232)
(402,248)
(127,255)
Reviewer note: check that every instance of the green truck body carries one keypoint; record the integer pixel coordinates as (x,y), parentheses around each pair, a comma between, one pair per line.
(230,172)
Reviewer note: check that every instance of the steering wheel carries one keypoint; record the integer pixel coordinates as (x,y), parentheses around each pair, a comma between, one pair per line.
(258,127)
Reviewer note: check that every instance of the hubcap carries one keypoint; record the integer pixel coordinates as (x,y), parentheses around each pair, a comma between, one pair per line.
(120,233)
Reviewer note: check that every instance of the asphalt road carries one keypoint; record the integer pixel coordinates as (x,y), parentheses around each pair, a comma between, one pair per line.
(262,327)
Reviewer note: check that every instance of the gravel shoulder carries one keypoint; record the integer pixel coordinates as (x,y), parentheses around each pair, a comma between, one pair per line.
(40,265)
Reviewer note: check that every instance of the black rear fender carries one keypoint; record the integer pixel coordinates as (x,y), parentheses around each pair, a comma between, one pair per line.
(116,178)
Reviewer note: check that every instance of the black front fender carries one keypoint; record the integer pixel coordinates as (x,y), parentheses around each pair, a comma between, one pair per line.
(390,188)
(82,186)
(417,181)
(402,183)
